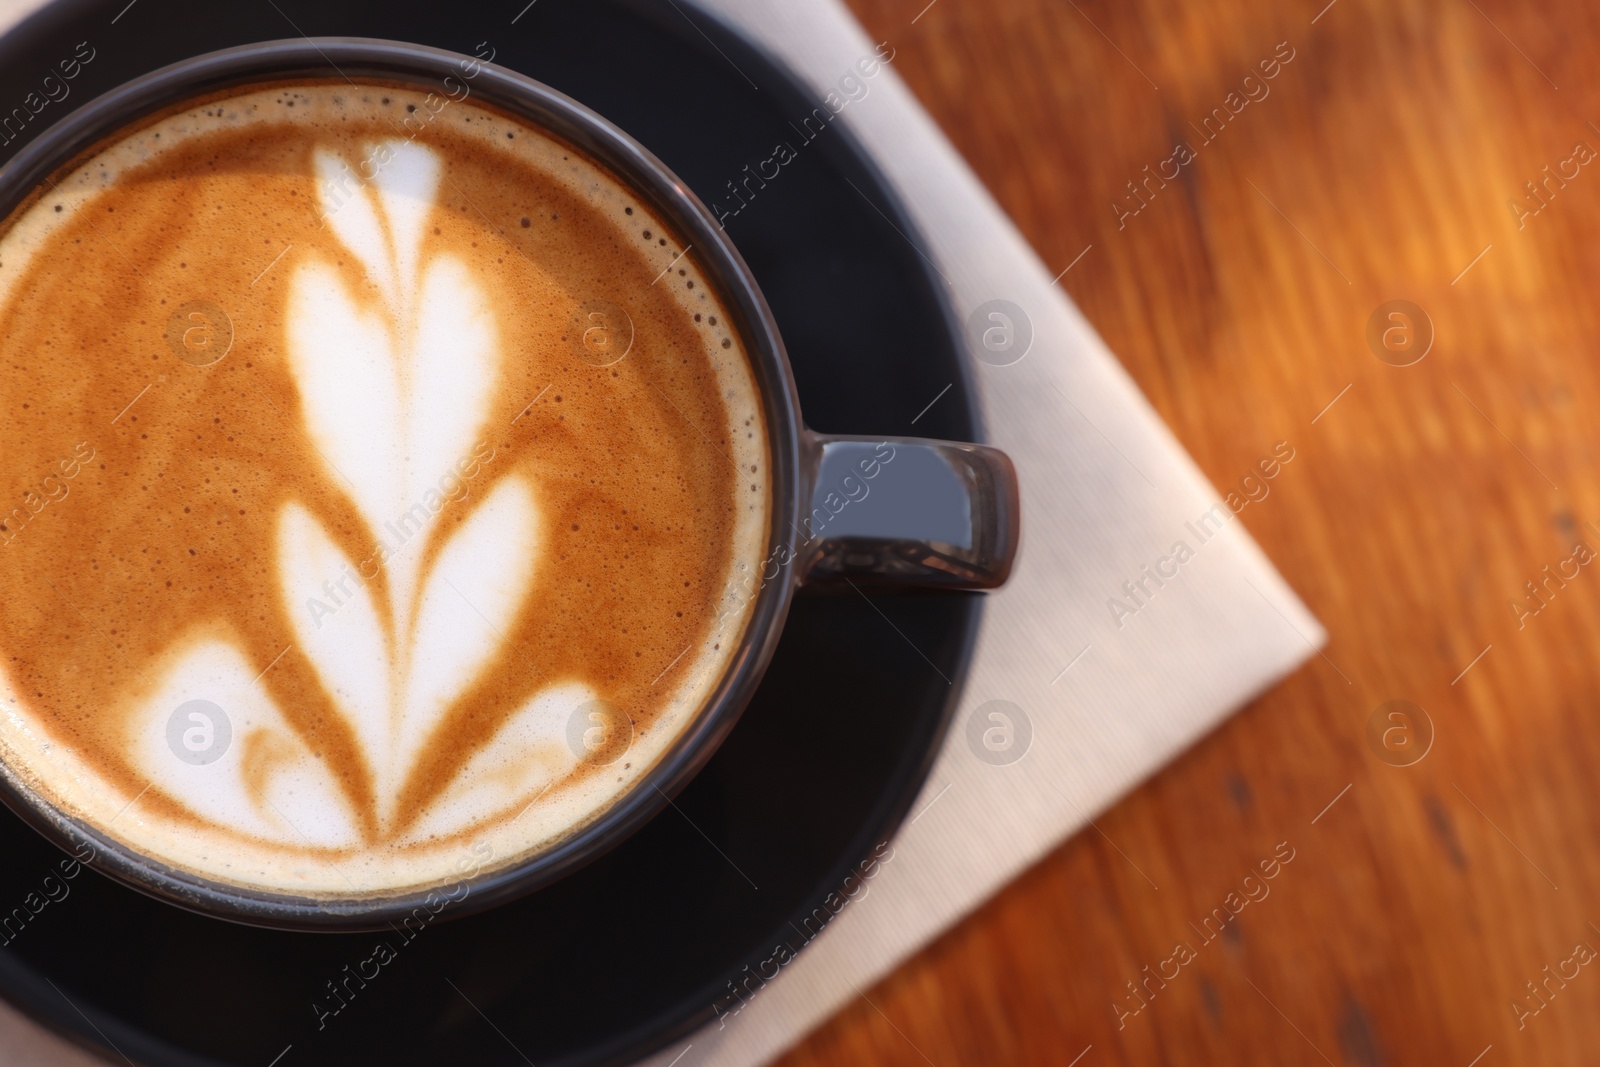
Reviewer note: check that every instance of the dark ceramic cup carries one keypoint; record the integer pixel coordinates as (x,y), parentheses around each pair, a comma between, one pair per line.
(885,511)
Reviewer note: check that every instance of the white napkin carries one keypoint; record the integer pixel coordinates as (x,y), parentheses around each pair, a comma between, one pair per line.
(1107,494)
(1098,697)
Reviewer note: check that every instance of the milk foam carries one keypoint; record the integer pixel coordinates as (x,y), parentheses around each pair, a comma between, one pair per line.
(398,352)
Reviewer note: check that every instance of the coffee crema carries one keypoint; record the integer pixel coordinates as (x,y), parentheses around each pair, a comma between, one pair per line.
(380,479)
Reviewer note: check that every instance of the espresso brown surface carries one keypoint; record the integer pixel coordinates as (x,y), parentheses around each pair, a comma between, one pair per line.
(167,532)
(1418,906)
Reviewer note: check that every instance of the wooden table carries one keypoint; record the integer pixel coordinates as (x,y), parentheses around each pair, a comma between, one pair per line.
(1381,162)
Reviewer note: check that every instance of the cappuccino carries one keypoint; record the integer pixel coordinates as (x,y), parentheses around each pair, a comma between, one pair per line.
(380,475)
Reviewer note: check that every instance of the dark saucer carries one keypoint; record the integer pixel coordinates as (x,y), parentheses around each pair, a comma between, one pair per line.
(632,951)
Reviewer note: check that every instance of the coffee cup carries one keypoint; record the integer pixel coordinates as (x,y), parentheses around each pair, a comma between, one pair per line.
(460,510)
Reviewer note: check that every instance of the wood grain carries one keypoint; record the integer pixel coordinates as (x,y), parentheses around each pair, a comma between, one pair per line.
(1378,166)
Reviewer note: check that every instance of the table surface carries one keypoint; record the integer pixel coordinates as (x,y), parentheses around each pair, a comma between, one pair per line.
(1438,911)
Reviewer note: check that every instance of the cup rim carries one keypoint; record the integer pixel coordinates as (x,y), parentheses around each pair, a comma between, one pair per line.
(657,186)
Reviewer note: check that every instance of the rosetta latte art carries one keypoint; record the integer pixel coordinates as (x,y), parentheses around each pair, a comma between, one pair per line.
(392,392)
(407,482)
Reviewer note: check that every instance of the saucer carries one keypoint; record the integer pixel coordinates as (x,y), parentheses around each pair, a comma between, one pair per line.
(634,950)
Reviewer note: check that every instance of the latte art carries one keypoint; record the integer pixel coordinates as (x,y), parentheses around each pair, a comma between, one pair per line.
(422,466)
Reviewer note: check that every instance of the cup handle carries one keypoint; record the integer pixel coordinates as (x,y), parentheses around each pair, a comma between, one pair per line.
(907,511)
